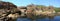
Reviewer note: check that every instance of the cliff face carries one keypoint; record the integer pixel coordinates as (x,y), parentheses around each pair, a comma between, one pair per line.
(6,8)
(40,10)
(7,5)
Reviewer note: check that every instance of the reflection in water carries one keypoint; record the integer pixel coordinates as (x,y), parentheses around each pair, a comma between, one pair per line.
(23,19)
(51,18)
(42,18)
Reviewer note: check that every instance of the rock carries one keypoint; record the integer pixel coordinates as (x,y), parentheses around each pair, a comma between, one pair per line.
(58,12)
(13,16)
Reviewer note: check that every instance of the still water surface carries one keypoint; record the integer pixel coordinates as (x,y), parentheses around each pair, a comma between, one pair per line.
(55,18)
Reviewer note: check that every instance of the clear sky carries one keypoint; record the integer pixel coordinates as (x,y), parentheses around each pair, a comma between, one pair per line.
(37,2)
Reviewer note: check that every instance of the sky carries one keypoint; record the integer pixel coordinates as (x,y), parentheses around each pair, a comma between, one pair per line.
(55,3)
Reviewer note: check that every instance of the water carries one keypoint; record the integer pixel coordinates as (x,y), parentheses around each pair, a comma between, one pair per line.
(23,19)
(55,18)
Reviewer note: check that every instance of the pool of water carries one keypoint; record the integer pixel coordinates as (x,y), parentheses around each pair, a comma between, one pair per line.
(55,18)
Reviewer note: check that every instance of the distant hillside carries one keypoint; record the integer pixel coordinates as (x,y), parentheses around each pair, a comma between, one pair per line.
(57,9)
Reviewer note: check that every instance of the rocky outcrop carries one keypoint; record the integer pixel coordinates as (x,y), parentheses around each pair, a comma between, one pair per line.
(13,16)
(8,10)
(7,5)
(42,10)
(11,11)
